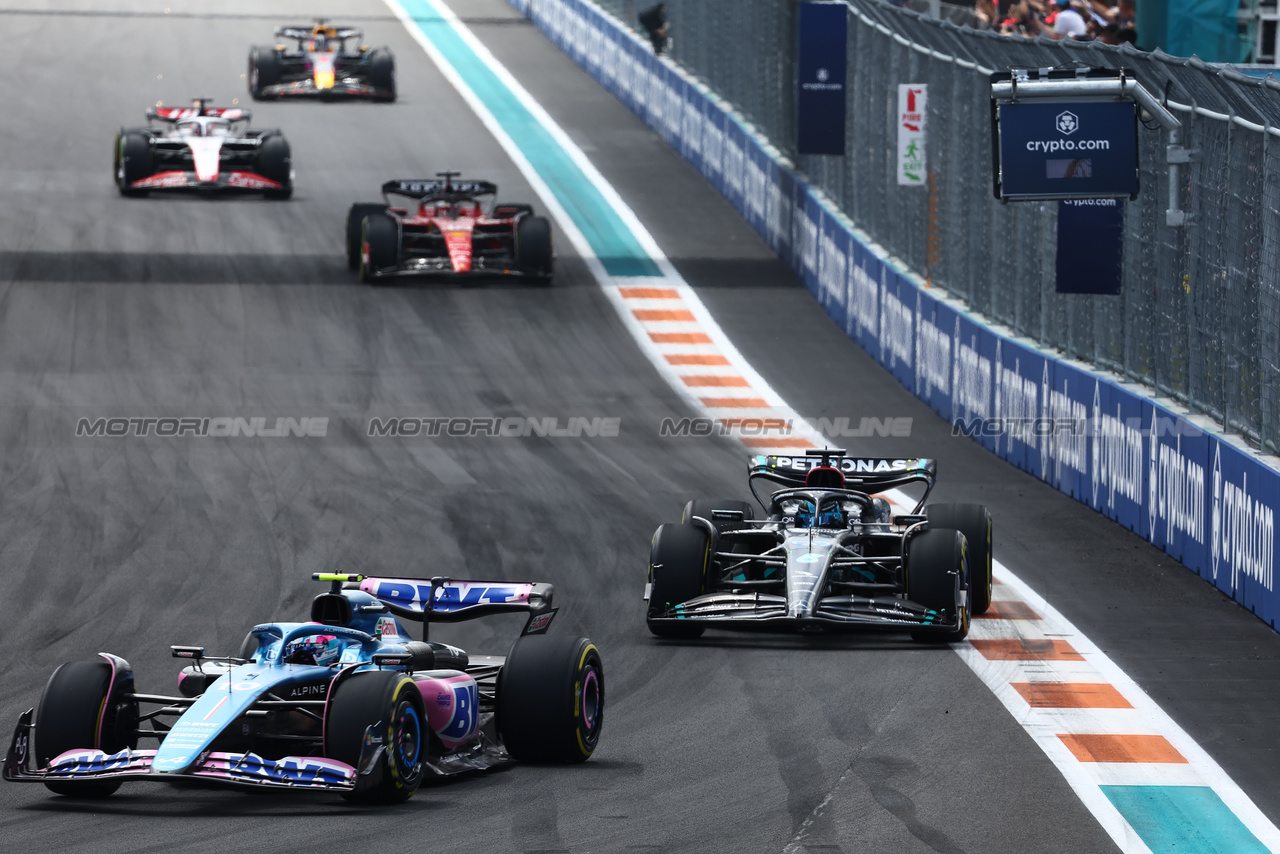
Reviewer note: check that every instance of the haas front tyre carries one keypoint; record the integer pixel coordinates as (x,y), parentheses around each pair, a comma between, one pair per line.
(550,699)
(378,713)
(83,708)
(275,163)
(974,521)
(132,161)
(677,573)
(937,574)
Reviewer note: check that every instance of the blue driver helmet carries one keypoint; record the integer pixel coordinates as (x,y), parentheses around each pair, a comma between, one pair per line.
(321,650)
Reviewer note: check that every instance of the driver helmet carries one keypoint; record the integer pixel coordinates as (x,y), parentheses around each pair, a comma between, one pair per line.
(190,128)
(829,515)
(321,650)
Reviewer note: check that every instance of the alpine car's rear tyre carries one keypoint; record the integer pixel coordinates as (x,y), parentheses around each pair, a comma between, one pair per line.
(974,521)
(382,74)
(937,576)
(380,245)
(80,710)
(275,163)
(550,699)
(533,248)
(677,573)
(265,69)
(132,161)
(355,222)
(385,706)
(706,508)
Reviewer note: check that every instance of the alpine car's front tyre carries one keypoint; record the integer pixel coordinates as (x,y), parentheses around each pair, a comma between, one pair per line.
(974,521)
(83,708)
(355,222)
(379,245)
(265,69)
(937,576)
(132,161)
(533,248)
(380,710)
(275,161)
(382,74)
(550,699)
(677,573)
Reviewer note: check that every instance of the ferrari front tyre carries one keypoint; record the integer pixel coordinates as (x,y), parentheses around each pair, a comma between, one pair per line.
(381,710)
(132,161)
(677,573)
(355,221)
(265,69)
(382,74)
(937,576)
(82,709)
(974,521)
(533,247)
(550,699)
(707,508)
(275,163)
(379,245)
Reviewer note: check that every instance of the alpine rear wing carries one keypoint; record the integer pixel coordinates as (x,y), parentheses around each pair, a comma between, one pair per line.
(447,600)
(864,474)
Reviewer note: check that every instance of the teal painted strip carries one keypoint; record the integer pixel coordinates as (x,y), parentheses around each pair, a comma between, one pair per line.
(1183,820)
(610,239)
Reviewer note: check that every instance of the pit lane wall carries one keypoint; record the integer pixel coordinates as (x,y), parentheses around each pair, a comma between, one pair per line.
(1203,498)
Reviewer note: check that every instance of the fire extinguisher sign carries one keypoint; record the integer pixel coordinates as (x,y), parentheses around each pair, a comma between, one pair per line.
(911,119)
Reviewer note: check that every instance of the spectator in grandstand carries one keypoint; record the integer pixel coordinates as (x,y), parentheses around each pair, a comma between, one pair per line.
(1024,18)
(654,21)
(1069,22)
(985,12)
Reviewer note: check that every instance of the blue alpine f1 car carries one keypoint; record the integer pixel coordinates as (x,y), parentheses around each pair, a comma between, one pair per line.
(346,703)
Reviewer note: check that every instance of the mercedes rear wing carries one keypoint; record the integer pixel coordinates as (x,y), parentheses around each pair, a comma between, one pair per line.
(863,474)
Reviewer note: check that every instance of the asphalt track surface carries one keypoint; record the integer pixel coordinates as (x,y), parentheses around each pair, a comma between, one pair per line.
(204,307)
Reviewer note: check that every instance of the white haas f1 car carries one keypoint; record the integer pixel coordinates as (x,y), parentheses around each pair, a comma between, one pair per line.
(831,555)
(202,148)
(321,65)
(345,703)
(450,227)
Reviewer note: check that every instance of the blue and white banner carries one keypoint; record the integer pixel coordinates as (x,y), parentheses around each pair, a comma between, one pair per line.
(1200,497)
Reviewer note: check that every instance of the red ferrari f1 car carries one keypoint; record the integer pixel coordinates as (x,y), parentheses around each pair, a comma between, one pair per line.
(446,226)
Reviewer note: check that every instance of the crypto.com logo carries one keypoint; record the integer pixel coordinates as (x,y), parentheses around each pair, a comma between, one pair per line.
(1067,123)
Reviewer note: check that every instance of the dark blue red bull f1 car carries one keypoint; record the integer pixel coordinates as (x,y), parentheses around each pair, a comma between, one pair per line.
(347,702)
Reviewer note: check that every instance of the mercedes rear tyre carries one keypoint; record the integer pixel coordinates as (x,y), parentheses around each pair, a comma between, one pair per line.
(937,577)
(379,245)
(707,508)
(132,161)
(379,707)
(974,521)
(533,248)
(275,163)
(677,573)
(355,221)
(550,699)
(265,69)
(83,708)
(382,74)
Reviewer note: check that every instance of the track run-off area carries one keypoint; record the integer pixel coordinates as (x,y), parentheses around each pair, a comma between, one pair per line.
(1111,702)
